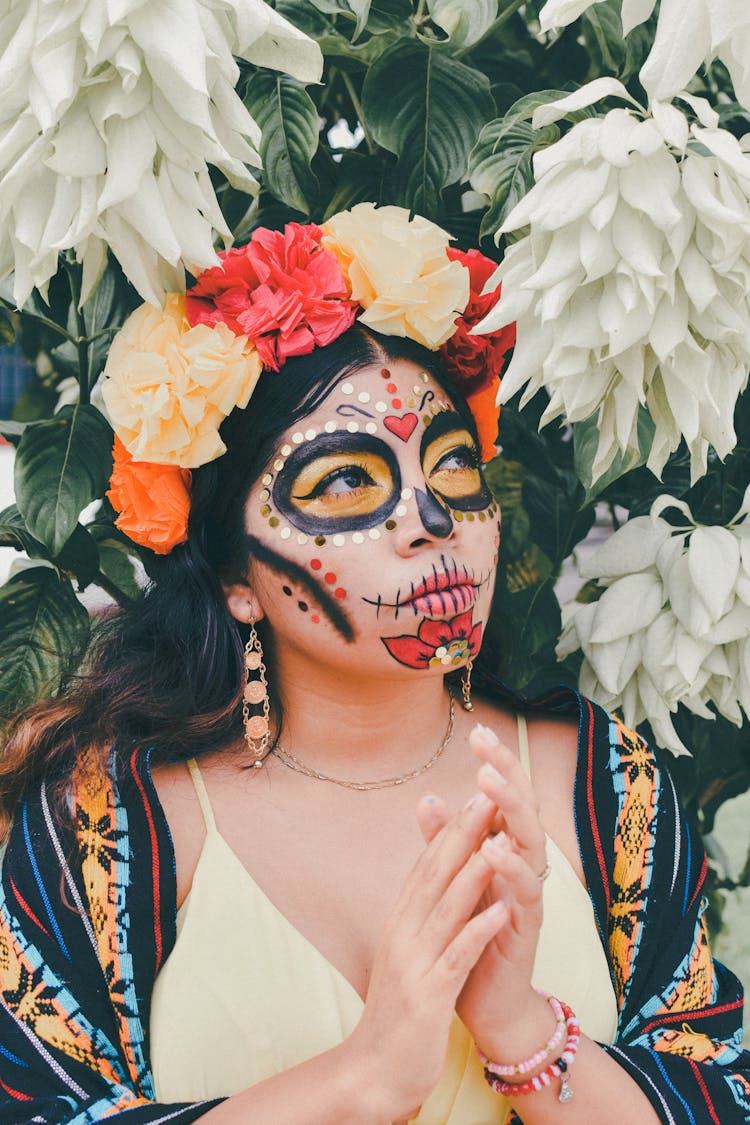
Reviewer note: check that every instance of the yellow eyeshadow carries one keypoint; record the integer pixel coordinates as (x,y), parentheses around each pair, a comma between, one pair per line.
(452,483)
(349,501)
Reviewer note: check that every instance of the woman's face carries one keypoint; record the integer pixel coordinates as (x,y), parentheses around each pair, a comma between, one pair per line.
(374,538)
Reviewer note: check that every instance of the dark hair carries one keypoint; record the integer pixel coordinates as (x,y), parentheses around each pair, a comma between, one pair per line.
(168,670)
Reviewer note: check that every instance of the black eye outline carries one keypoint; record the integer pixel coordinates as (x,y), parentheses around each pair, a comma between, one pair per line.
(338,474)
(472,457)
(353,444)
(447,422)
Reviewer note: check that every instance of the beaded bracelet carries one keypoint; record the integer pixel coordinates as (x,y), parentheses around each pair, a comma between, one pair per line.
(556,1069)
(554,1043)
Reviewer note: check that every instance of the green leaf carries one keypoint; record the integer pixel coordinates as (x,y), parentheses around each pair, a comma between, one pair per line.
(79,557)
(7,329)
(12,431)
(288,120)
(61,466)
(118,565)
(500,166)
(385,15)
(601,27)
(358,180)
(463,22)
(359,10)
(43,628)
(431,125)
(585,444)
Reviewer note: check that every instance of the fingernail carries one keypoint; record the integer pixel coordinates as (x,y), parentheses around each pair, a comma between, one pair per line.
(478,801)
(498,842)
(493,774)
(486,734)
(495,912)
(430,799)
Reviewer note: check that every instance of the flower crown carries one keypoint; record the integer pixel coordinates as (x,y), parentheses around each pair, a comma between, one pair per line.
(174,374)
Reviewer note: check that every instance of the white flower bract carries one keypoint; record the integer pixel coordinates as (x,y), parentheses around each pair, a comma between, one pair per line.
(631,288)
(673,624)
(110,113)
(687,35)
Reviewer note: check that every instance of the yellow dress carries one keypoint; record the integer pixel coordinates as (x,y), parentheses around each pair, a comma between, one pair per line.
(244,995)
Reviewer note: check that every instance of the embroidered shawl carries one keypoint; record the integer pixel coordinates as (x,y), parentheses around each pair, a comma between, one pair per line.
(88,916)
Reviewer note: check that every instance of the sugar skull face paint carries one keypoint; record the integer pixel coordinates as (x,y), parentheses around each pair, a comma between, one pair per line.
(366,540)
(338,483)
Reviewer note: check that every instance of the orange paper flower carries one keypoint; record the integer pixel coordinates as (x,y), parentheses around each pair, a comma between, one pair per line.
(153,501)
(483,405)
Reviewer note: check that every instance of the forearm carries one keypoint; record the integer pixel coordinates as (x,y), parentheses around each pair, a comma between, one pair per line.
(602,1091)
(335,1088)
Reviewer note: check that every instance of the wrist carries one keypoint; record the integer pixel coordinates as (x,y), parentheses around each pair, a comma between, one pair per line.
(520,1032)
(363,1096)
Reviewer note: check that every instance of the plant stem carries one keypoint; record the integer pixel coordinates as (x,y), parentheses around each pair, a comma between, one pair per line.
(81,340)
(372,147)
(116,594)
(45,320)
(504,16)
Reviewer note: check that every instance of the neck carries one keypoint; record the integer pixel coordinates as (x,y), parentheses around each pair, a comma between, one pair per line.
(363,728)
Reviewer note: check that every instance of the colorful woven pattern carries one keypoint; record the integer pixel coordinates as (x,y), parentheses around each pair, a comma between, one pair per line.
(87,917)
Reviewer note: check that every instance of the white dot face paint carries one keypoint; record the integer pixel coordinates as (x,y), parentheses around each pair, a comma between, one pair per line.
(338,540)
(374,533)
(298,438)
(357,537)
(381,407)
(278,465)
(267,478)
(371,428)
(302,538)
(363,396)
(330,427)
(285,450)
(352,427)
(347,389)
(285,533)
(406,494)
(310,434)
(401,510)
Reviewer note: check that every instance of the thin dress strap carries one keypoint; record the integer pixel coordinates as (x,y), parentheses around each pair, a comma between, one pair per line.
(202,792)
(523,744)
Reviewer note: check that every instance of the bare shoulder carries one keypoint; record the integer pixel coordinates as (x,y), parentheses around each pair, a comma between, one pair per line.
(553,752)
(178,798)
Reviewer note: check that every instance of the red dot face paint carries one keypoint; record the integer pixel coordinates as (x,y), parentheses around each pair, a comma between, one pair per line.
(391,388)
(330,578)
(315,564)
(339,593)
(315,619)
(396,403)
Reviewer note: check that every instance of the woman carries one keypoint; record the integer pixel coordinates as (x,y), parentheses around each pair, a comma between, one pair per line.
(273,850)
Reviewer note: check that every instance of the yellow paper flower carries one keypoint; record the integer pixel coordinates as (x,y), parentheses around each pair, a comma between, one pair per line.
(168,387)
(399,272)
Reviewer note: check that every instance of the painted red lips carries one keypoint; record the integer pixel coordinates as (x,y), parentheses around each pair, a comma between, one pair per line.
(443,593)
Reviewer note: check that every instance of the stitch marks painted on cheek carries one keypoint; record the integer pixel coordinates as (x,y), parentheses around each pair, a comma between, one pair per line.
(446,643)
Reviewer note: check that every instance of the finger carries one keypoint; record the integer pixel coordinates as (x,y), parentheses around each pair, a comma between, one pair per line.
(523,883)
(443,857)
(461,955)
(520,814)
(432,815)
(452,911)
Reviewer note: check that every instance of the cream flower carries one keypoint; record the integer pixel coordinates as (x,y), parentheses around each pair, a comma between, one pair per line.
(631,288)
(399,272)
(167,387)
(109,117)
(687,35)
(673,624)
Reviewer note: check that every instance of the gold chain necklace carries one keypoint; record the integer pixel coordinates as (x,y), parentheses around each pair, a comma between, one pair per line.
(293,763)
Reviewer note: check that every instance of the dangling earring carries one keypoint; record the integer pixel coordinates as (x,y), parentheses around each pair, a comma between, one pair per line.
(466,686)
(257,727)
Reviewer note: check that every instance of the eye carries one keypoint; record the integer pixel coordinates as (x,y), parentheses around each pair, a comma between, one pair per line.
(341,482)
(463,457)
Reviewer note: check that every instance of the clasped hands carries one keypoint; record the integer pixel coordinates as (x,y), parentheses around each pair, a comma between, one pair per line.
(503,835)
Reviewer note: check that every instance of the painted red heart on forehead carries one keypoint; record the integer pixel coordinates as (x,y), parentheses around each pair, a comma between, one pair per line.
(402,427)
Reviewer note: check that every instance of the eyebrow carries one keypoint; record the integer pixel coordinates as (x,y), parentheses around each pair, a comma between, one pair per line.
(447,422)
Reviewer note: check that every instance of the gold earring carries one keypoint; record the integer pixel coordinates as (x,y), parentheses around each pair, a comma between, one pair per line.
(257,727)
(466,686)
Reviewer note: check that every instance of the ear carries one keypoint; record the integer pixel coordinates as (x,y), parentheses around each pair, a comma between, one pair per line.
(243,603)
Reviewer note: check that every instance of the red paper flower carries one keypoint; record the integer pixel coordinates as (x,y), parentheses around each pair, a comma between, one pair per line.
(283,290)
(437,642)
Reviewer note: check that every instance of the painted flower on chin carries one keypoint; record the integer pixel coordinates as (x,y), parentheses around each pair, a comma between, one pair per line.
(437,642)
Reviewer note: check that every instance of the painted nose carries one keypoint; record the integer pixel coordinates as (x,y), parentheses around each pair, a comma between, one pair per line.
(429,523)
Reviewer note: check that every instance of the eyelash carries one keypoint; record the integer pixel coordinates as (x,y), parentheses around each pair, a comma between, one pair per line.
(470,453)
(336,474)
